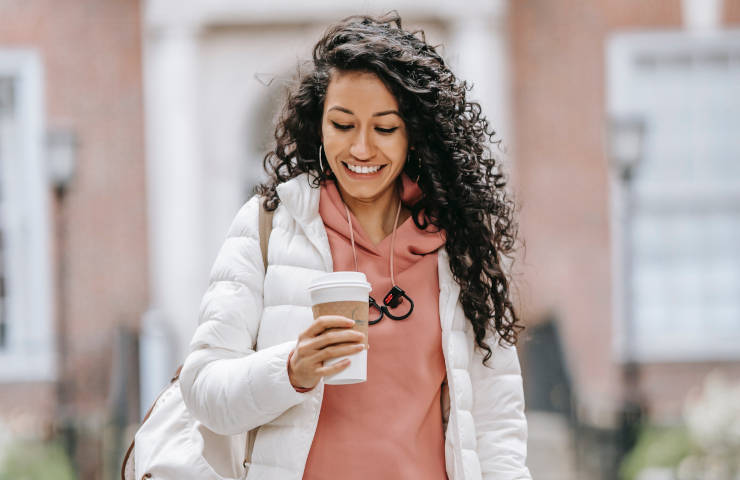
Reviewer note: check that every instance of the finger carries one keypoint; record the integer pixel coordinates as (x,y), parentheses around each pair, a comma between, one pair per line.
(337,337)
(328,321)
(335,368)
(337,351)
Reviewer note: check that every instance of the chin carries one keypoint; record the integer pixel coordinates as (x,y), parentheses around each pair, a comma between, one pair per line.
(362,193)
(371,190)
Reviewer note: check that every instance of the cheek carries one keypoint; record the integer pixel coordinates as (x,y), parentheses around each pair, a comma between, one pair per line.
(394,147)
(332,145)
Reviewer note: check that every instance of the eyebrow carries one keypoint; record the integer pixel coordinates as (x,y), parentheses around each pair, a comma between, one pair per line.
(376,114)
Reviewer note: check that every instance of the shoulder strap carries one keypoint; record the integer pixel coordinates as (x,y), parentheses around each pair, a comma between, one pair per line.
(265,226)
(265,230)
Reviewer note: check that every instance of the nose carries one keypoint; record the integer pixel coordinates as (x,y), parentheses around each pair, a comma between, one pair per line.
(362,148)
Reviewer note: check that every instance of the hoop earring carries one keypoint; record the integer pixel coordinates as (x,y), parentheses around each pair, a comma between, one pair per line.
(321,164)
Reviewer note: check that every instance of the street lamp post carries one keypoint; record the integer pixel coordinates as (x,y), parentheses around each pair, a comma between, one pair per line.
(625,149)
(61,162)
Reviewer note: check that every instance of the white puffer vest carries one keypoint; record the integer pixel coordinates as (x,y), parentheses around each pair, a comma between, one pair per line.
(235,377)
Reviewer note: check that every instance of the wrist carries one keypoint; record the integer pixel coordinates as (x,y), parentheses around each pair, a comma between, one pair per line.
(296,388)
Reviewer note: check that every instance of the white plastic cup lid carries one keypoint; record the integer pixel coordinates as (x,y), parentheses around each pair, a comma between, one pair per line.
(340,279)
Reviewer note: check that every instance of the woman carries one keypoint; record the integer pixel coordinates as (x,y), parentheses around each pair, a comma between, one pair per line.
(381,166)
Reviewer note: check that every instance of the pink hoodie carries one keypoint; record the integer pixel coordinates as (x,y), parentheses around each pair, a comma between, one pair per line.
(389,427)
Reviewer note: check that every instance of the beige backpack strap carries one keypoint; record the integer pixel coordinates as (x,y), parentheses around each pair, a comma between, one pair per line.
(265,230)
(265,221)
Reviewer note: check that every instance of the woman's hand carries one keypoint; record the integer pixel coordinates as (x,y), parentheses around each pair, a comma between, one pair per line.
(328,337)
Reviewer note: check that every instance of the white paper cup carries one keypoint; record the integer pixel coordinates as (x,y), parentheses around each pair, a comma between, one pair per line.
(346,294)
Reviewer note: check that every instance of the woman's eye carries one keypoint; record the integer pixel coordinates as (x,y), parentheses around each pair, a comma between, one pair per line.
(387,130)
(341,127)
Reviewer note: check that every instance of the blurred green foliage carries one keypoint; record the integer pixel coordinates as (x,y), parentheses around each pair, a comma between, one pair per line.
(35,460)
(657,447)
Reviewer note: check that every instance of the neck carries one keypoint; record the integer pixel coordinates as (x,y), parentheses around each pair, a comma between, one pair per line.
(377,216)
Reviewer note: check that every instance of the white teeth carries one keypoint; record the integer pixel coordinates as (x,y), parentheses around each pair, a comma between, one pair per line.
(359,169)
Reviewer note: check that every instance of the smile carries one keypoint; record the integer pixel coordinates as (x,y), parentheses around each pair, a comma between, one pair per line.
(363,170)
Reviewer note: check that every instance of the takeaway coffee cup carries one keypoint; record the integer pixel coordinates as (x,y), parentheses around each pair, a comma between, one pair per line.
(346,294)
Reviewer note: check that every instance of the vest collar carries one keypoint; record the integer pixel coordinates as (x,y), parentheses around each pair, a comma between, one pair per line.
(300,198)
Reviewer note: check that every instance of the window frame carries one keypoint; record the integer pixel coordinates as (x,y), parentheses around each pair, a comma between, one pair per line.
(29,353)
(623,52)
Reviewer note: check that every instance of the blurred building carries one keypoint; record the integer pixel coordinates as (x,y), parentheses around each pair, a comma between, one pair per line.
(74,272)
(130,135)
(626,166)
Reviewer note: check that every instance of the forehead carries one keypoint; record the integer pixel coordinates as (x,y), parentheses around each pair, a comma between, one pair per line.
(360,92)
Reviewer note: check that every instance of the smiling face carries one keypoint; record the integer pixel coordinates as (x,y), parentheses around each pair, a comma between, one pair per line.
(364,136)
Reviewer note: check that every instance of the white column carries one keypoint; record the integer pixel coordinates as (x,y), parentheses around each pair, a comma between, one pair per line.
(175,196)
(478,52)
(702,15)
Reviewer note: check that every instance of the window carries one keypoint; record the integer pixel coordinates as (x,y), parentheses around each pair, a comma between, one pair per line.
(685,242)
(26,336)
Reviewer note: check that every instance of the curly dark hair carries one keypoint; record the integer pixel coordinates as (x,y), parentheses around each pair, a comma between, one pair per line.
(460,178)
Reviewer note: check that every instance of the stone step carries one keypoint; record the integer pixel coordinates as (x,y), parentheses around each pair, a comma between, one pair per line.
(550,447)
